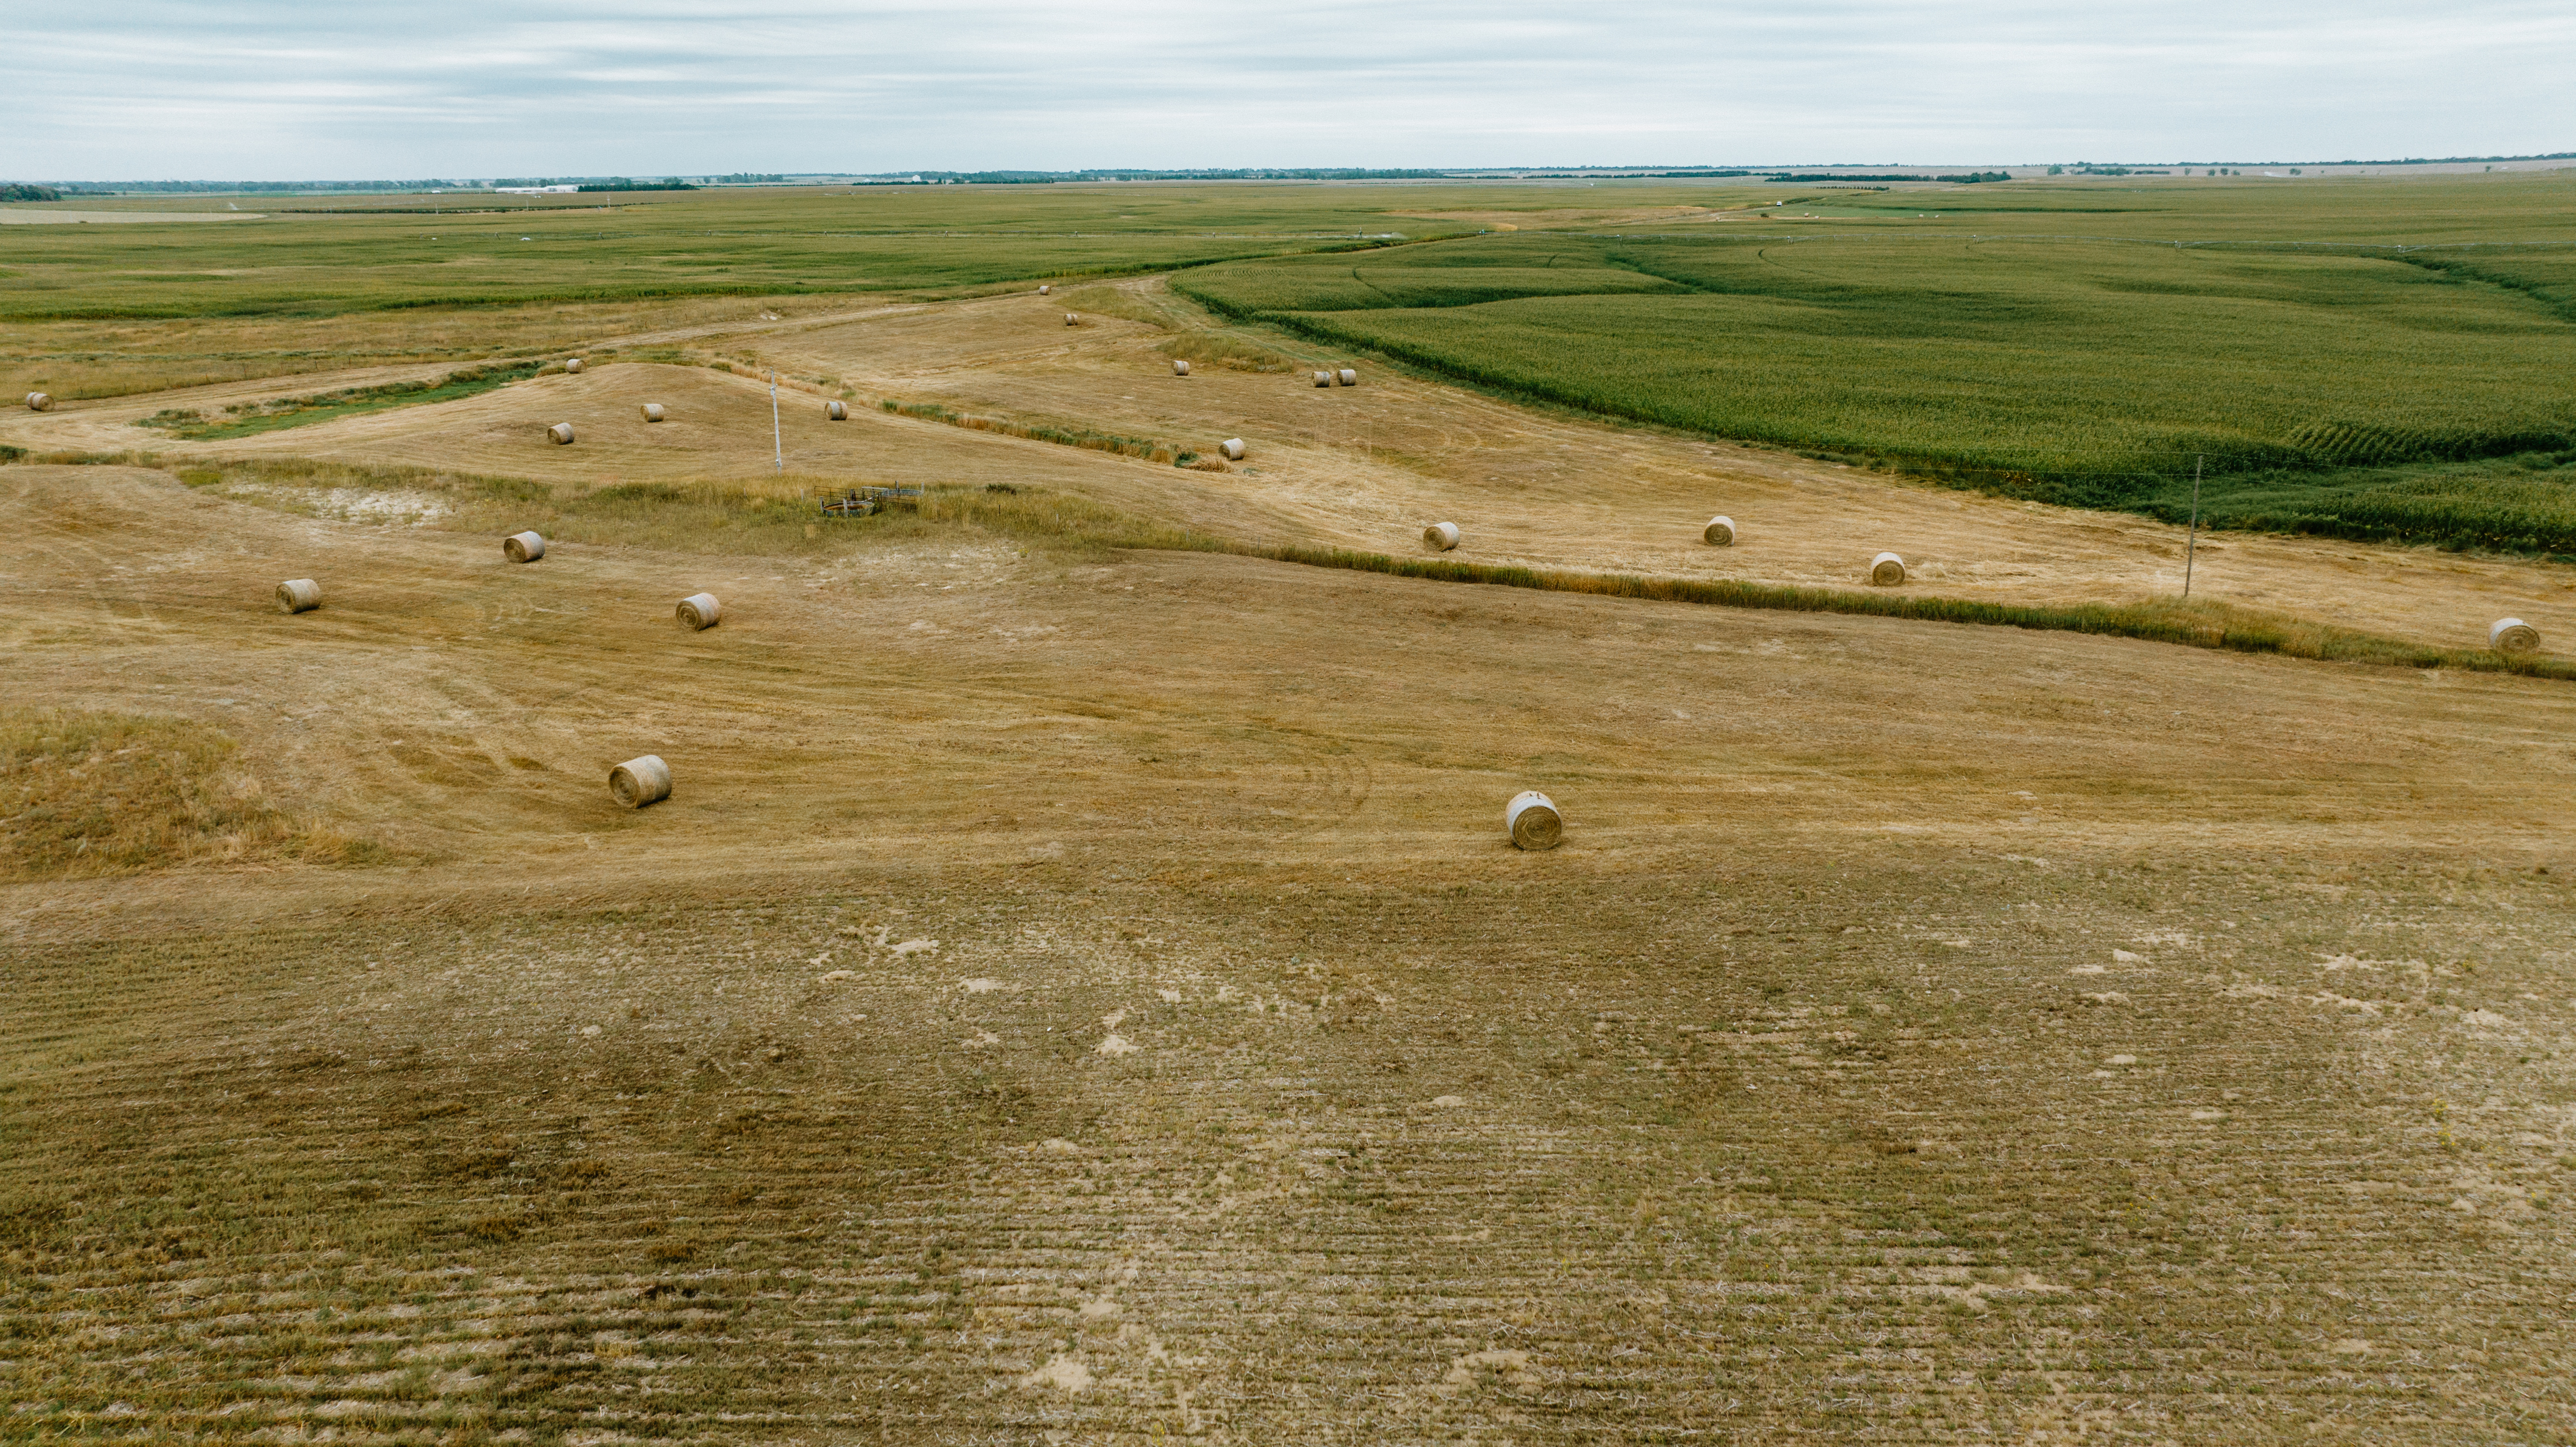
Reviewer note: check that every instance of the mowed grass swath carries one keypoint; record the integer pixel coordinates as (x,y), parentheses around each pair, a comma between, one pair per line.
(91,795)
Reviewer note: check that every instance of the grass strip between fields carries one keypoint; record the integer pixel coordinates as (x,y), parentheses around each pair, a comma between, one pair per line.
(2197,625)
(252,418)
(1085,438)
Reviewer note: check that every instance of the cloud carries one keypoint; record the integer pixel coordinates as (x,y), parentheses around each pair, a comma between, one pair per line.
(267,89)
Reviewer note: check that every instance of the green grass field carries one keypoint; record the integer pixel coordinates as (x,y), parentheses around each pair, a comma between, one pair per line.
(2333,378)
(2523,504)
(404,253)
(252,418)
(2382,359)
(113,310)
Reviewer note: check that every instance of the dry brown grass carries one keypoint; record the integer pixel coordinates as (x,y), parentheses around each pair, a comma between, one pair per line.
(1199,337)
(1805,1149)
(86,795)
(753,517)
(1927,1034)
(1154,307)
(1224,349)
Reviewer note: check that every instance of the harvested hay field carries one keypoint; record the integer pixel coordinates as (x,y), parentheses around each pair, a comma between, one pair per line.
(1079,988)
(1359,468)
(1086,996)
(1366,467)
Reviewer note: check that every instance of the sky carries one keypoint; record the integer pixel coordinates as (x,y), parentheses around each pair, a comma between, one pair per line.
(364,89)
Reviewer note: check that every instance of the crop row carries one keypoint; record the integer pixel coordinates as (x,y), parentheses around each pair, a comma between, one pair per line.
(2087,373)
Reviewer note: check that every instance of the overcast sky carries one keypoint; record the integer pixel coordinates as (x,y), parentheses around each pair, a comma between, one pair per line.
(280,89)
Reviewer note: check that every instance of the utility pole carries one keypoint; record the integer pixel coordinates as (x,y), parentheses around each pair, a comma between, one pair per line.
(778,439)
(2191,544)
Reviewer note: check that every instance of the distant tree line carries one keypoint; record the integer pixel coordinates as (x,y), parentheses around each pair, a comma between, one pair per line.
(1050,178)
(590,183)
(113,188)
(2453,160)
(271,188)
(20,191)
(1965,178)
(2408,161)
(1593,174)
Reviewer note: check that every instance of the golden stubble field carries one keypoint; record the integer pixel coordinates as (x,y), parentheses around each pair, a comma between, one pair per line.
(1076,999)
(1082,997)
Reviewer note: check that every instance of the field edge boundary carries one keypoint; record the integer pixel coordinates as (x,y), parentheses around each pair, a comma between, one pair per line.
(2194,625)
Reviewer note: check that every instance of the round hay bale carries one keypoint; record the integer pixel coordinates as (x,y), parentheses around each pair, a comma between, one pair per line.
(836,410)
(1532,821)
(1347,377)
(1180,368)
(573,366)
(1886,570)
(1232,447)
(698,612)
(1323,379)
(2512,635)
(1440,537)
(298,595)
(561,432)
(1045,290)
(639,782)
(524,547)
(39,402)
(1072,320)
(1720,531)
(653,412)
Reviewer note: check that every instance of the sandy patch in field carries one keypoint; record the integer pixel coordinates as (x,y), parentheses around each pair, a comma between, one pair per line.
(353,504)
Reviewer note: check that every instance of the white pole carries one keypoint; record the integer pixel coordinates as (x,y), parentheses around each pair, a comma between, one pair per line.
(776,438)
